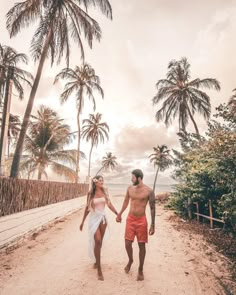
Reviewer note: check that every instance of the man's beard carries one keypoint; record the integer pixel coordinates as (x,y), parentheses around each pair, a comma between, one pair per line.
(136,183)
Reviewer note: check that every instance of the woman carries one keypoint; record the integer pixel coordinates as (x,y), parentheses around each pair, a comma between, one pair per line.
(97,199)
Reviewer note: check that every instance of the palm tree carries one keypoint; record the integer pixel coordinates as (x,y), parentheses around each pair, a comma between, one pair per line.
(232,101)
(10,58)
(161,159)
(183,97)
(11,77)
(45,146)
(82,81)
(59,22)
(13,129)
(95,131)
(109,161)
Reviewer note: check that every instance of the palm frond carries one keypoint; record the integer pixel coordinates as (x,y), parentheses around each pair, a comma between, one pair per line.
(22,15)
(208,83)
(63,170)
(104,5)
(181,96)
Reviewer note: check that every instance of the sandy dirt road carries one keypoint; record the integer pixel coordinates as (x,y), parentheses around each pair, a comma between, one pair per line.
(56,263)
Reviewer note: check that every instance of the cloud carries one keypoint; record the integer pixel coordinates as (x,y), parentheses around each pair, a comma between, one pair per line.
(132,147)
(136,142)
(215,45)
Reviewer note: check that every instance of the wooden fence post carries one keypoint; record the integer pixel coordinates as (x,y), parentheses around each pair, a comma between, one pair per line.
(211,215)
(190,208)
(198,217)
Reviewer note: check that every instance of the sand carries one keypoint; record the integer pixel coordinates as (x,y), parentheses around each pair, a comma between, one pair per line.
(55,262)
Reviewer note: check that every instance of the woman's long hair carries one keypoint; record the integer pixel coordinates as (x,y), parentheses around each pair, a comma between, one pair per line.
(93,186)
(92,192)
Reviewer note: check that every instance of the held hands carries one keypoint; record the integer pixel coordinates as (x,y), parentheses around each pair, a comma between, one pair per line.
(118,217)
(81,226)
(151,230)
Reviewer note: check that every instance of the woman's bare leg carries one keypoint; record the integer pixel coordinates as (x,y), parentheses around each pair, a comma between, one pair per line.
(97,253)
(97,249)
(102,230)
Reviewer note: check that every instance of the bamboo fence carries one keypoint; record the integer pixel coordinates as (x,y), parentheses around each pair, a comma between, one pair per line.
(20,194)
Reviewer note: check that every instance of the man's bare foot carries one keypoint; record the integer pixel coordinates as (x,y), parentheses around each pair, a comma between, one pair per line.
(140,276)
(95,265)
(100,276)
(128,266)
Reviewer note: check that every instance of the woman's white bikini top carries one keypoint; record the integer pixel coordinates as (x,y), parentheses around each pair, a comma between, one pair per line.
(99,203)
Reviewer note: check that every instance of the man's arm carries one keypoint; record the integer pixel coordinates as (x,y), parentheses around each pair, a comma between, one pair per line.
(124,206)
(152,204)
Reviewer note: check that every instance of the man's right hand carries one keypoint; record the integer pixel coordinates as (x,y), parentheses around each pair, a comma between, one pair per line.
(118,218)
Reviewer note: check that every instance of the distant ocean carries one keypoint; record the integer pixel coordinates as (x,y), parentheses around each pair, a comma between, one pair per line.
(120,189)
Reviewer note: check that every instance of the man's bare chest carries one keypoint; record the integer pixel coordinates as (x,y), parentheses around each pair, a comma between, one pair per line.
(139,195)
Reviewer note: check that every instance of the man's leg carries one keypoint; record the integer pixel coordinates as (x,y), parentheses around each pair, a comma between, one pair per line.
(129,250)
(97,253)
(142,253)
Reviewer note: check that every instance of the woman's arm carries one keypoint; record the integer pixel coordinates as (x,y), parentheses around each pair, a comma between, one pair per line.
(86,212)
(109,203)
(112,208)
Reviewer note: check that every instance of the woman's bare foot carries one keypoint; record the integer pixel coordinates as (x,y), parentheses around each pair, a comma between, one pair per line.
(95,265)
(100,275)
(140,276)
(128,266)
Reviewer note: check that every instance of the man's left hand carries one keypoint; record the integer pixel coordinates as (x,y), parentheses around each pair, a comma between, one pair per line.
(151,230)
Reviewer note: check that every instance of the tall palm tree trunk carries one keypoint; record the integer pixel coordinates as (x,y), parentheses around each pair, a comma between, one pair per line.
(40,166)
(39,174)
(154,185)
(90,156)
(194,123)
(78,149)
(100,170)
(1,83)
(19,147)
(8,146)
(79,134)
(5,119)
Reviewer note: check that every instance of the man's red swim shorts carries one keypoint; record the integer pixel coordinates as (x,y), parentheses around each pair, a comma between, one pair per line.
(136,226)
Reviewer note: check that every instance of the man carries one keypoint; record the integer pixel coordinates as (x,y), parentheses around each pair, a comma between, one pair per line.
(136,224)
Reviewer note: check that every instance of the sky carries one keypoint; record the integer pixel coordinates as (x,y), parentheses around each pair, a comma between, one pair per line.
(134,52)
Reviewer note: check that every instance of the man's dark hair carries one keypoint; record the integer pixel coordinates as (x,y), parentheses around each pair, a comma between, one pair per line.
(138,173)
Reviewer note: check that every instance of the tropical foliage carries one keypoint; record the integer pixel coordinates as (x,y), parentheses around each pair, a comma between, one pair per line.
(207,170)
(108,162)
(45,146)
(59,22)
(95,131)
(183,97)
(10,58)
(82,82)
(161,159)
(13,130)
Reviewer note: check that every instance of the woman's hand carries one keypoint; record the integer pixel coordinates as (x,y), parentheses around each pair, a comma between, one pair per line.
(81,226)
(118,218)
